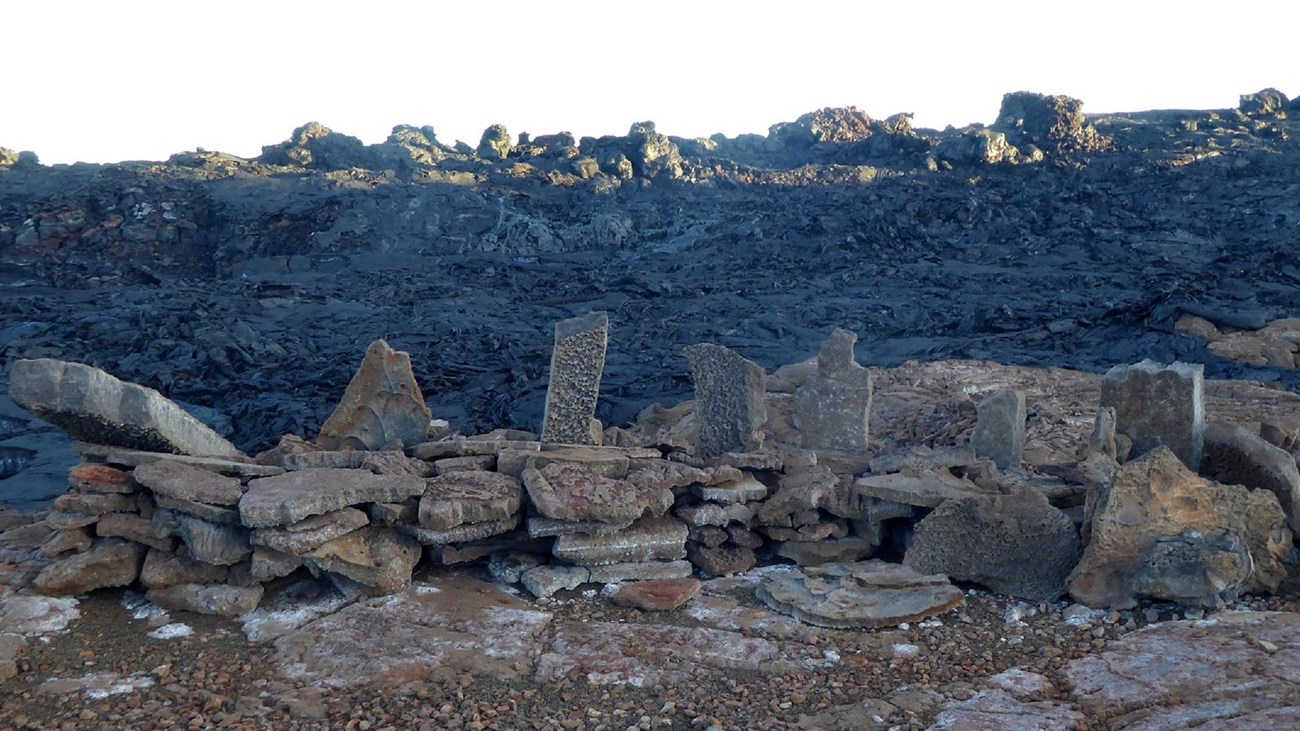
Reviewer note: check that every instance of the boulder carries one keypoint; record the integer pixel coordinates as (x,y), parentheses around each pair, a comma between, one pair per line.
(313,145)
(495,143)
(1234,455)
(290,497)
(862,595)
(109,563)
(382,408)
(660,595)
(1264,103)
(380,558)
(162,568)
(1017,544)
(222,600)
(186,482)
(1156,498)
(567,492)
(1052,123)
(93,406)
(471,496)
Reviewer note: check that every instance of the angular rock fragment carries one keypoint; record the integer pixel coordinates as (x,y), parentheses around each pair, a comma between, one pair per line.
(382,408)
(835,550)
(744,490)
(1159,406)
(716,514)
(545,581)
(1017,544)
(101,478)
(91,503)
(472,496)
(290,497)
(393,514)
(867,594)
(376,557)
(729,400)
(577,361)
(308,533)
(222,600)
(813,488)
(721,560)
(212,543)
(93,406)
(657,595)
(1234,455)
(1000,428)
(267,564)
(649,539)
(162,568)
(565,492)
(614,573)
(153,533)
(185,482)
(1156,497)
(833,406)
(66,541)
(211,513)
(109,563)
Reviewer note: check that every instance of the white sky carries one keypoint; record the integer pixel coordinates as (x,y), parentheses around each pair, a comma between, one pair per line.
(104,81)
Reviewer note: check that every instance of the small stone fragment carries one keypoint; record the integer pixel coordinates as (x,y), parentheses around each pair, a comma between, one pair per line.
(544,581)
(723,560)
(101,478)
(657,596)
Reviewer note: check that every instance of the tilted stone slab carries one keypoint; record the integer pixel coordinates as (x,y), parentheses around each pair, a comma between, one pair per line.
(290,497)
(380,558)
(135,458)
(186,482)
(1159,405)
(567,492)
(1234,455)
(211,513)
(862,595)
(309,533)
(382,408)
(926,491)
(649,539)
(267,564)
(833,407)
(461,533)
(91,405)
(577,361)
(730,400)
(471,496)
(212,543)
(111,562)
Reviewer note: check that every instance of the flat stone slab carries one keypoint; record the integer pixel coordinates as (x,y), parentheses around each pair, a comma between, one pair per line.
(214,543)
(30,615)
(924,492)
(135,458)
(470,446)
(611,463)
(566,492)
(290,497)
(862,595)
(111,562)
(101,478)
(211,513)
(92,503)
(470,496)
(187,482)
(132,527)
(657,595)
(461,533)
(380,558)
(639,571)
(309,533)
(91,405)
(382,408)
(649,539)
(543,527)
(162,568)
(747,489)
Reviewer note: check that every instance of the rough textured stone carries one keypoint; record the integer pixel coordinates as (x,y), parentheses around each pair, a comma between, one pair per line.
(394,514)
(162,568)
(109,563)
(377,557)
(465,464)
(101,478)
(267,564)
(564,491)
(657,595)
(1234,455)
(91,503)
(577,361)
(1156,497)
(236,465)
(808,490)
(995,709)
(472,496)
(153,533)
(290,497)
(66,541)
(10,646)
(927,491)
(1219,674)
(1000,428)
(835,550)
(1012,544)
(729,400)
(721,560)
(833,406)
(222,600)
(461,533)
(866,594)
(649,539)
(472,446)
(1159,406)
(545,581)
(744,490)
(211,513)
(212,543)
(309,533)
(606,462)
(91,405)
(543,527)
(185,482)
(639,571)
(716,514)
(382,408)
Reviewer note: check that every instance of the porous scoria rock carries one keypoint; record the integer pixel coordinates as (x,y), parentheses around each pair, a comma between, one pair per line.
(1156,498)
(1013,544)
(214,543)
(101,478)
(185,482)
(833,406)
(658,595)
(1159,405)
(729,400)
(1234,672)
(162,568)
(222,600)
(380,558)
(382,408)
(567,492)
(577,361)
(649,539)
(1234,455)
(471,496)
(290,497)
(308,533)
(109,563)
(866,594)
(93,406)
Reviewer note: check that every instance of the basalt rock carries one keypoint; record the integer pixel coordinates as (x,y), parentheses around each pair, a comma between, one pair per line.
(382,408)
(1234,455)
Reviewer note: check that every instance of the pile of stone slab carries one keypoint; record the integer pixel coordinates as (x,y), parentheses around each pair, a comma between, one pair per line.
(717,487)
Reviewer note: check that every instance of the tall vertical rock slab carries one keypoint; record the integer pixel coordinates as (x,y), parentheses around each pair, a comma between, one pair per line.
(833,407)
(382,407)
(577,362)
(729,400)
(1158,406)
(1000,428)
(93,406)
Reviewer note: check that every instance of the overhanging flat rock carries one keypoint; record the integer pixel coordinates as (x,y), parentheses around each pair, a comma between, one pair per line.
(290,497)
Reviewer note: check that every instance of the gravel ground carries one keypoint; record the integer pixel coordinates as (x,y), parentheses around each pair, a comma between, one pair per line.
(214,678)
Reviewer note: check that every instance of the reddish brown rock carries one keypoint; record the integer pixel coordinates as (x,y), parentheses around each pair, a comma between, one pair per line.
(90,503)
(135,528)
(382,408)
(101,478)
(186,482)
(471,496)
(660,595)
(377,557)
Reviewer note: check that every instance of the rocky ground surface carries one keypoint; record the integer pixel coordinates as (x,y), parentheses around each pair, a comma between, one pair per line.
(248,289)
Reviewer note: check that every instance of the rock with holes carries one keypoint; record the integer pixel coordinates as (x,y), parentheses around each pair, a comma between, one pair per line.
(577,361)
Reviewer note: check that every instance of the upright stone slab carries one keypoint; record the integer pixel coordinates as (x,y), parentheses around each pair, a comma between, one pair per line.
(833,407)
(1159,405)
(1000,428)
(729,400)
(382,408)
(577,362)
(93,406)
